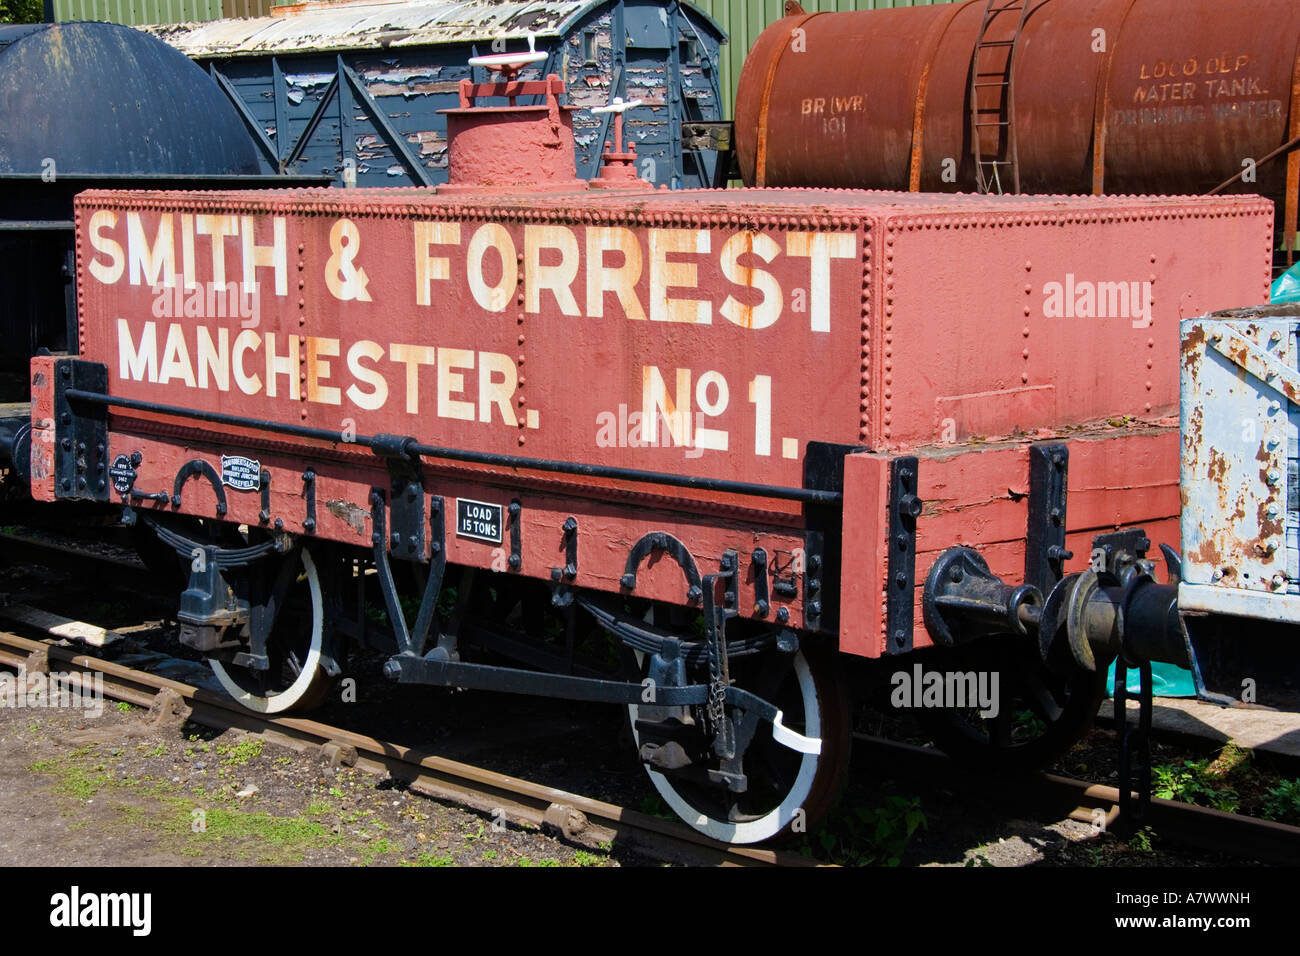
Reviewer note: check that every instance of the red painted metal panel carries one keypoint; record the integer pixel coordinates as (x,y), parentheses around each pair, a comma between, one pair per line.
(579,326)
(518,327)
(978,496)
(865,555)
(1046,319)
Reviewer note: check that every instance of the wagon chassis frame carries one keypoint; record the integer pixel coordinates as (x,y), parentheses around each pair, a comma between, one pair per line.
(413,519)
(960,605)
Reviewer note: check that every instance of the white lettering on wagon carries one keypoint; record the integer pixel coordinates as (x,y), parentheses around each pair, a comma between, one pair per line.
(192,355)
(609,263)
(671,280)
(606,264)
(151,257)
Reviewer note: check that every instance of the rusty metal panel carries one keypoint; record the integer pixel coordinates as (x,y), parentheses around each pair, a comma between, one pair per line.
(880,99)
(1240,412)
(744,20)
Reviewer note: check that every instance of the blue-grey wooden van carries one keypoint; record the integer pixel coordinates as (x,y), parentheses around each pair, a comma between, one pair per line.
(353,90)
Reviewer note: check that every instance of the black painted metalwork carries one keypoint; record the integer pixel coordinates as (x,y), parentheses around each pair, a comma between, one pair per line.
(433,585)
(211,606)
(392,446)
(309,494)
(215,601)
(1045,553)
(264,479)
(516,512)
(198,468)
(1134,744)
(785,576)
(264,610)
(727,746)
(16,446)
(411,642)
(446,673)
(410,447)
(570,530)
(729,574)
(963,600)
(814,569)
(823,477)
(648,639)
(762,597)
(406,532)
(80,440)
(1121,553)
(186,546)
(561,594)
(904,508)
(675,549)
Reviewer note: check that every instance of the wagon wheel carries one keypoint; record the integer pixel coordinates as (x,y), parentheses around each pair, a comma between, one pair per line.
(295,680)
(811,694)
(1040,715)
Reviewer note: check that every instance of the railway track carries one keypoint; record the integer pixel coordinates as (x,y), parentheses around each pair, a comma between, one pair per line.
(586,820)
(577,817)
(112,571)
(1097,804)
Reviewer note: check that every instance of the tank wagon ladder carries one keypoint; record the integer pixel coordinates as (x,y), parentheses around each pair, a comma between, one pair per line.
(985,76)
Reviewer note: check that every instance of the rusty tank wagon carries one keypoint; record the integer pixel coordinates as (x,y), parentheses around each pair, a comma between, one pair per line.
(1041,96)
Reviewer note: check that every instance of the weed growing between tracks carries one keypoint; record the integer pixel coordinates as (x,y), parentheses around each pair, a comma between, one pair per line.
(875,835)
(1283,802)
(1230,782)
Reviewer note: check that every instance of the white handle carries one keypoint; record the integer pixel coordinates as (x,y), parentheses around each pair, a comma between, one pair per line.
(498,61)
(618,106)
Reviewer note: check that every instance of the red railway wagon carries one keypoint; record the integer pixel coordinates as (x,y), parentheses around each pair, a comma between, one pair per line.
(746,437)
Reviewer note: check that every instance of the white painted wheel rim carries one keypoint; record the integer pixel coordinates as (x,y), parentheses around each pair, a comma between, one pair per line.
(780,816)
(282,700)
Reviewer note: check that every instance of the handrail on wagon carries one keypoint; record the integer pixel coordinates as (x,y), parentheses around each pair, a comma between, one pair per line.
(408,447)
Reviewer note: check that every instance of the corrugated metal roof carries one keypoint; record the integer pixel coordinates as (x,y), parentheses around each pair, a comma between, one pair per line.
(374,24)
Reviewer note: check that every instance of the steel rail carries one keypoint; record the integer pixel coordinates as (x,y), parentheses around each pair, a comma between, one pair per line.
(1236,834)
(428,774)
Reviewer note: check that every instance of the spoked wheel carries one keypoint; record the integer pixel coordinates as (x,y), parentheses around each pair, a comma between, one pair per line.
(1039,715)
(295,679)
(782,782)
